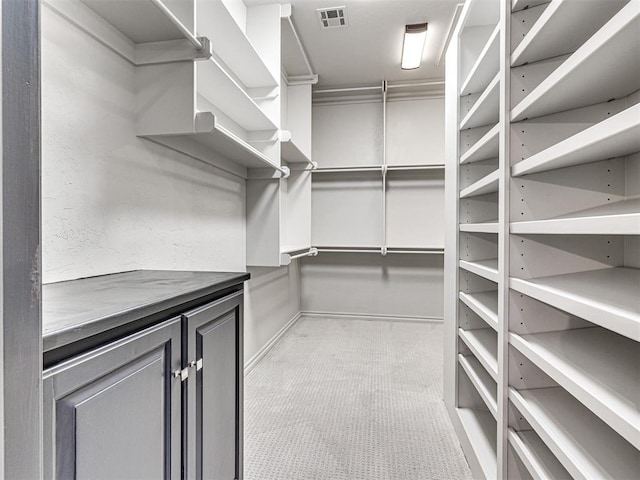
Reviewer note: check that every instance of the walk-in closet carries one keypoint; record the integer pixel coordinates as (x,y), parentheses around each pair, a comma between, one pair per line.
(320,240)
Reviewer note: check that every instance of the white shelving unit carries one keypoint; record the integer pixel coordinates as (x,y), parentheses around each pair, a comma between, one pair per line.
(543,208)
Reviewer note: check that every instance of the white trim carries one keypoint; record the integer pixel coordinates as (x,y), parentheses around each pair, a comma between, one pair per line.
(253,361)
(370,317)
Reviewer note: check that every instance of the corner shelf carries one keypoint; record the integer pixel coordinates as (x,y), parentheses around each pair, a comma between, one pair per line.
(484,227)
(563,27)
(585,445)
(486,66)
(290,152)
(484,268)
(480,428)
(481,380)
(534,454)
(483,343)
(595,365)
(616,136)
(617,218)
(484,304)
(487,184)
(484,149)
(232,45)
(613,48)
(485,110)
(606,297)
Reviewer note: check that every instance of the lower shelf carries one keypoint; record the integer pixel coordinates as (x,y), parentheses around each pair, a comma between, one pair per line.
(483,342)
(482,381)
(534,454)
(484,268)
(583,443)
(481,430)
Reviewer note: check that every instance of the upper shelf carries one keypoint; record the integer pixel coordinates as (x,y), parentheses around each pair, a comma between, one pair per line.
(562,28)
(485,148)
(294,57)
(487,184)
(597,366)
(483,227)
(536,456)
(141,21)
(609,59)
(290,152)
(486,66)
(618,218)
(616,136)
(606,297)
(231,44)
(585,445)
(484,304)
(486,109)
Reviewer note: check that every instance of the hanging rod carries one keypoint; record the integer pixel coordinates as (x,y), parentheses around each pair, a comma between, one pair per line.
(367,168)
(286,258)
(347,250)
(422,252)
(178,24)
(347,89)
(419,84)
(416,167)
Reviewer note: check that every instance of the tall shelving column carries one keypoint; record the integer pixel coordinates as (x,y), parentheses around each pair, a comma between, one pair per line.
(574,266)
(472,274)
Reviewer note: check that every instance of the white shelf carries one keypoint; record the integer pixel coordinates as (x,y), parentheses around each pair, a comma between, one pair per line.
(534,454)
(485,304)
(294,58)
(483,149)
(487,184)
(290,153)
(585,446)
(562,28)
(217,87)
(485,227)
(216,138)
(606,297)
(485,268)
(232,45)
(481,380)
(480,428)
(598,367)
(618,218)
(522,4)
(612,49)
(485,110)
(616,136)
(140,21)
(483,343)
(486,66)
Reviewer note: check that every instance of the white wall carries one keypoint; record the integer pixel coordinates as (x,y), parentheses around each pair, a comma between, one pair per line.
(113,202)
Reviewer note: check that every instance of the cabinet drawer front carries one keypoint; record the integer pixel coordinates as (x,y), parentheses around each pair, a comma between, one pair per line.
(115,411)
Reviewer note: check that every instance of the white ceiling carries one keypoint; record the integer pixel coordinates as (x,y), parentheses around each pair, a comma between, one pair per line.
(368,50)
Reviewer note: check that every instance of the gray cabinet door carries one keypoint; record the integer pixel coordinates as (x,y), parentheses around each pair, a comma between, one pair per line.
(214,393)
(115,412)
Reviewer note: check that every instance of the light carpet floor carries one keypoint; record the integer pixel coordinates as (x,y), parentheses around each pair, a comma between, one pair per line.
(353,400)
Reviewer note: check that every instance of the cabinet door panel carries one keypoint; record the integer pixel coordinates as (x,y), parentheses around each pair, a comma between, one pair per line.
(214,445)
(114,413)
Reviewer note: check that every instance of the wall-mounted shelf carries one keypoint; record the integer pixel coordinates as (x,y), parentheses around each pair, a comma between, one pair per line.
(481,380)
(618,218)
(585,445)
(534,454)
(484,304)
(595,365)
(480,428)
(483,344)
(485,110)
(613,48)
(617,136)
(232,45)
(484,268)
(487,184)
(562,28)
(607,297)
(486,66)
(483,149)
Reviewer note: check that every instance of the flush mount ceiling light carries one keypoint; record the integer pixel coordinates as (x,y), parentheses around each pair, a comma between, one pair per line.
(414,38)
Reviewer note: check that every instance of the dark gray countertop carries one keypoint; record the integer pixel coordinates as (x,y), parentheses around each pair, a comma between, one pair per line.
(77,309)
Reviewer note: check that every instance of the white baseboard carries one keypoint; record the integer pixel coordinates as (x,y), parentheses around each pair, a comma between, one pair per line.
(252,362)
(367,316)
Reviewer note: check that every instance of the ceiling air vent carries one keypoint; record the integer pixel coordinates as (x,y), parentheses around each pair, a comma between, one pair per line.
(333,17)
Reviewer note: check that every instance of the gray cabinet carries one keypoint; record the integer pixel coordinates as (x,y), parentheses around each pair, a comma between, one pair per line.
(114,412)
(164,403)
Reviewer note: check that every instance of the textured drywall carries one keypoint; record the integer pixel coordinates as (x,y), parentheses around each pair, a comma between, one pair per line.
(113,202)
